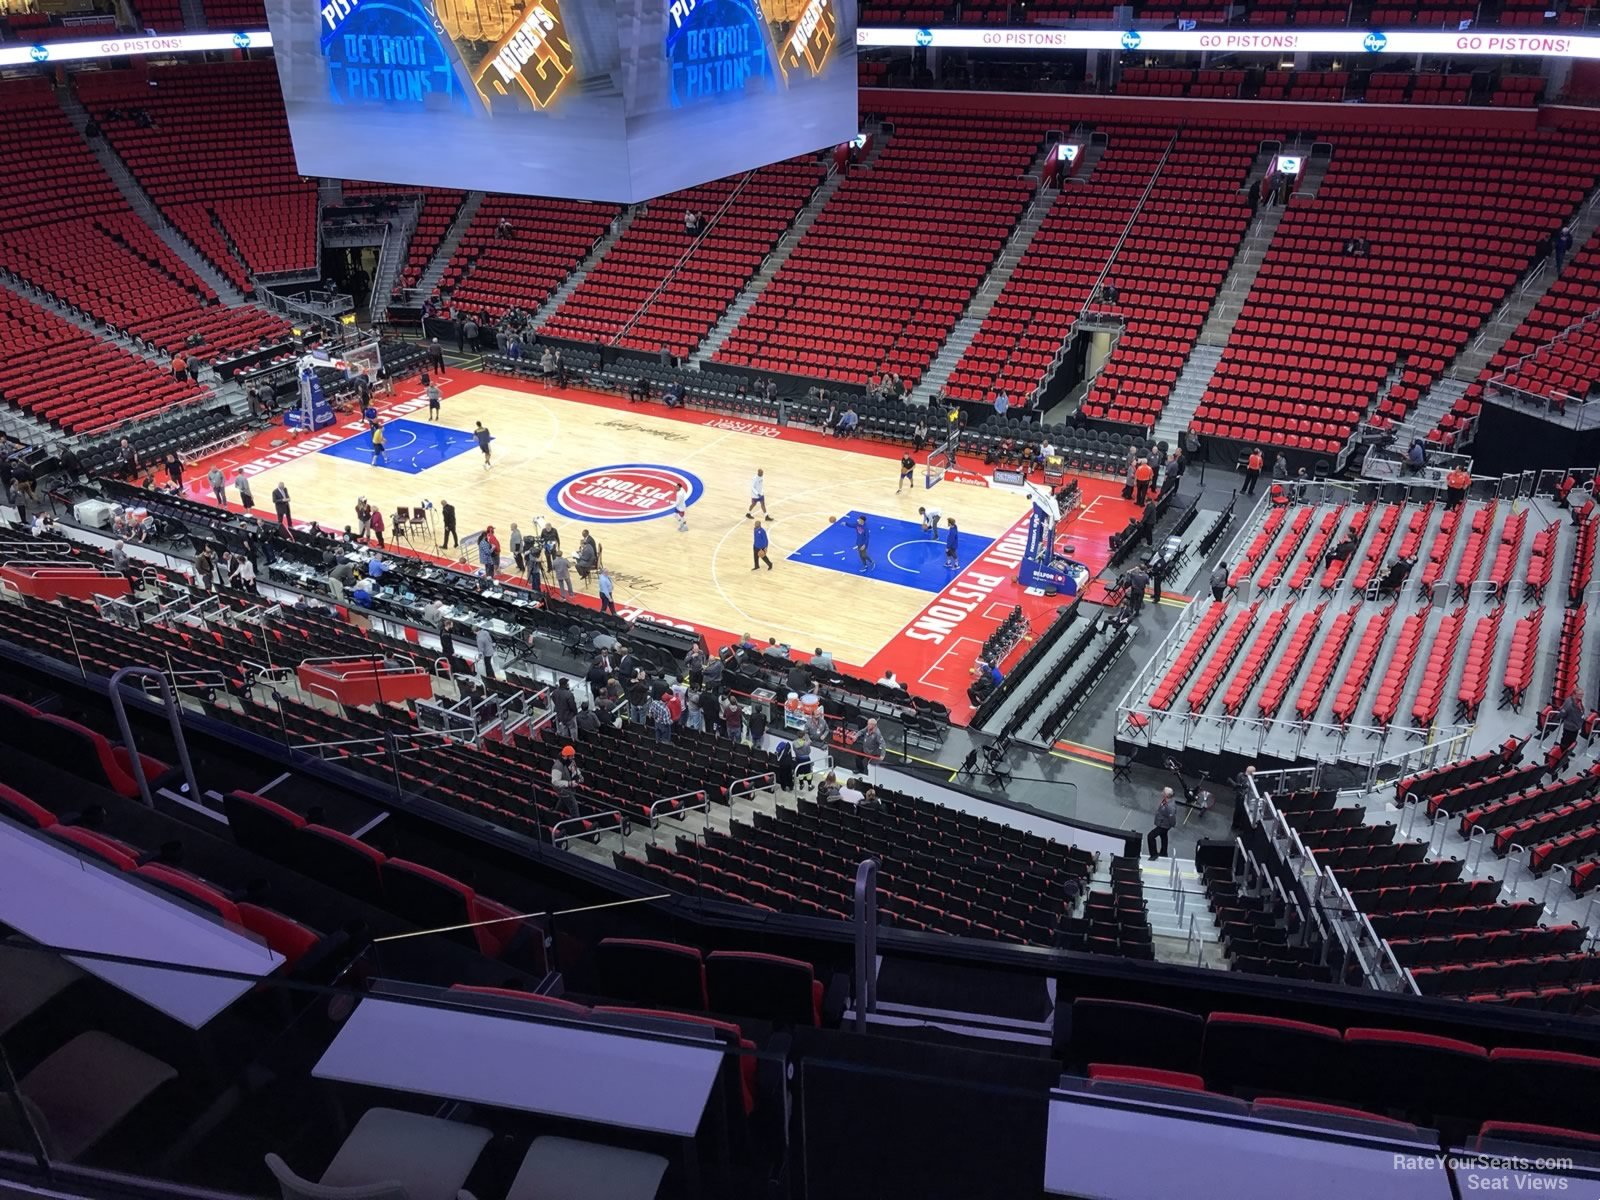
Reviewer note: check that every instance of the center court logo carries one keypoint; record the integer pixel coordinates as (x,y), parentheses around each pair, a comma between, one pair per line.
(621,493)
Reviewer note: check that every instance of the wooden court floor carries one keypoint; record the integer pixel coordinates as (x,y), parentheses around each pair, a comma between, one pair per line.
(702,576)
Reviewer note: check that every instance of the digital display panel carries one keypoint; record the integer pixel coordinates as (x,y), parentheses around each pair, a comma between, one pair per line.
(615,100)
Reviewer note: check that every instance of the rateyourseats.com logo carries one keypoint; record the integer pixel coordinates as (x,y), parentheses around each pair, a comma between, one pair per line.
(1375,42)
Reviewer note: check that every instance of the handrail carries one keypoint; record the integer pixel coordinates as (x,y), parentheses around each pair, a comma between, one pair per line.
(599,815)
(136,765)
(865,919)
(666,280)
(704,806)
(1133,217)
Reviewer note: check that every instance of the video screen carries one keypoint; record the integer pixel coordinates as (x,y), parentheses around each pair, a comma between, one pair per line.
(615,100)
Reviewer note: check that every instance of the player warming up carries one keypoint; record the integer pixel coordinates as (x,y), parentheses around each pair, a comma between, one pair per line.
(482,434)
(930,522)
(758,544)
(863,546)
(680,509)
(908,466)
(758,495)
(952,544)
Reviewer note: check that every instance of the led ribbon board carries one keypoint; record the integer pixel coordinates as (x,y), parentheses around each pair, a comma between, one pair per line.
(1477,43)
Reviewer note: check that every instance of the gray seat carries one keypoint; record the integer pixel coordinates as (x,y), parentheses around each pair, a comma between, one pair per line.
(558,1168)
(76,1113)
(392,1155)
(30,979)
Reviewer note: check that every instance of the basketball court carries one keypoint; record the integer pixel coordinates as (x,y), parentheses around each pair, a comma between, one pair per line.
(582,460)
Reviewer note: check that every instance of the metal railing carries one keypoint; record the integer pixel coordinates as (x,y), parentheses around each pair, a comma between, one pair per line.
(604,820)
(672,807)
(699,240)
(864,916)
(180,742)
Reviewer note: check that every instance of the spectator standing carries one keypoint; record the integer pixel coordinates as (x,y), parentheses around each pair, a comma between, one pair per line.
(1128,473)
(1166,818)
(1572,715)
(607,604)
(659,716)
(872,740)
(447,514)
(1219,580)
(1252,472)
(376,525)
(516,545)
(485,643)
(563,573)
(174,466)
(732,719)
(566,777)
(246,497)
(219,486)
(1137,582)
(1143,473)
(1456,484)
(280,504)
(565,704)
(436,358)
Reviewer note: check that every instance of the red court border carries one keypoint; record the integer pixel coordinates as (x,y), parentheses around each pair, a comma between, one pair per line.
(933,655)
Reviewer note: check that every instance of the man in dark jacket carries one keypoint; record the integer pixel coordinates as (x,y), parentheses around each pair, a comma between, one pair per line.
(566,708)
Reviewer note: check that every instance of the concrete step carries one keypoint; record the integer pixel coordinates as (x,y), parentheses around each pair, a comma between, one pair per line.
(773,263)
(557,298)
(449,243)
(139,200)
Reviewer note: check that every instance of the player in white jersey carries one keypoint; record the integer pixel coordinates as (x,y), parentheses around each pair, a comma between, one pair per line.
(758,495)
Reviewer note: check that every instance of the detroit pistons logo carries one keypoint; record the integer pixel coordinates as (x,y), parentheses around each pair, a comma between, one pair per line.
(621,493)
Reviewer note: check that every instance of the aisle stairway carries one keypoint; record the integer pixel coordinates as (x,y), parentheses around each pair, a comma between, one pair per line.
(1181,923)
(944,363)
(587,263)
(141,203)
(429,283)
(746,299)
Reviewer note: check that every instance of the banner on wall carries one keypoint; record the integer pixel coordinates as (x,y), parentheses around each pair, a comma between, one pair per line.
(1485,43)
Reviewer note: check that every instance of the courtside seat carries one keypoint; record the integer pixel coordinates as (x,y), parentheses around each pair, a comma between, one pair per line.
(432,898)
(1135,1035)
(1246,1052)
(764,985)
(651,972)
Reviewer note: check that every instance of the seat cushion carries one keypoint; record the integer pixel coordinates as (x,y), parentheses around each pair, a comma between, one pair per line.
(30,979)
(430,1158)
(559,1168)
(80,1115)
